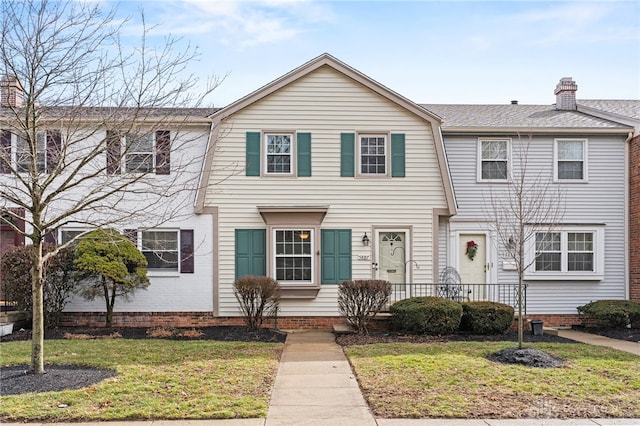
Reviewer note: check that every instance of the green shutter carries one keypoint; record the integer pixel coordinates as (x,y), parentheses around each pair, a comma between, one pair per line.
(336,255)
(347,148)
(251,247)
(397,155)
(253,154)
(304,154)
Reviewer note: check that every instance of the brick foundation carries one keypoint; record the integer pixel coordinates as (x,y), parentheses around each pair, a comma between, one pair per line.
(191,319)
(634,219)
(206,319)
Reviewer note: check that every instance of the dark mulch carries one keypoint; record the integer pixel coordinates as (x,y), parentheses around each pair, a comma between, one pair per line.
(17,380)
(221,333)
(511,336)
(526,356)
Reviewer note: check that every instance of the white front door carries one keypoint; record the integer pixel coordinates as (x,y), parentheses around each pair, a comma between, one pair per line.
(472,259)
(392,256)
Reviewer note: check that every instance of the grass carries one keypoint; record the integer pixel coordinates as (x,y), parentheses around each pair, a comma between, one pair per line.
(455,379)
(156,379)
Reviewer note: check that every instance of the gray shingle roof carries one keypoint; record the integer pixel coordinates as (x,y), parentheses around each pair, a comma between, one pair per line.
(625,108)
(516,116)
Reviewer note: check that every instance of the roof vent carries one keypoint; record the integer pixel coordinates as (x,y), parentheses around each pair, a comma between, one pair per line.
(566,94)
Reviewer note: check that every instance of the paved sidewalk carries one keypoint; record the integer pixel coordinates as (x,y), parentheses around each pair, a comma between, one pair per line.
(594,339)
(315,385)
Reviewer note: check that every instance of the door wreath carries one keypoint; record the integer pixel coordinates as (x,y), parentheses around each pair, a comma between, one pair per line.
(472,249)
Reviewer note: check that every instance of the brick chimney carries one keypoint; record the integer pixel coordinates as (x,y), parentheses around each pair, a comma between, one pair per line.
(566,94)
(10,92)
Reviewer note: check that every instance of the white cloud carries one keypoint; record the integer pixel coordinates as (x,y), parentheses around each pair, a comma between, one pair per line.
(243,23)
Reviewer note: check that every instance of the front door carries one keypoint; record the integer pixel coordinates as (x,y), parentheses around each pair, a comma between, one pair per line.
(472,257)
(392,257)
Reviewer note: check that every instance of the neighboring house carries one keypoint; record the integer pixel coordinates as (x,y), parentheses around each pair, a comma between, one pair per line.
(628,113)
(177,243)
(321,176)
(579,154)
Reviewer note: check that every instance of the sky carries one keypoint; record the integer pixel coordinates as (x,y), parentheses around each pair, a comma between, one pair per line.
(457,52)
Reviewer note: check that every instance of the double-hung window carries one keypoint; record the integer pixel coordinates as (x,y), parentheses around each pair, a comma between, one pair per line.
(44,154)
(373,154)
(293,255)
(493,159)
(573,252)
(570,160)
(139,153)
(161,249)
(279,153)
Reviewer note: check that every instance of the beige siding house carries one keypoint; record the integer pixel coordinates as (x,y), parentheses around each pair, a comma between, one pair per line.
(320,176)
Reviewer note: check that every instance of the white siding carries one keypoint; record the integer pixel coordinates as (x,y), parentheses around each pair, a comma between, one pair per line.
(325,103)
(601,200)
(172,211)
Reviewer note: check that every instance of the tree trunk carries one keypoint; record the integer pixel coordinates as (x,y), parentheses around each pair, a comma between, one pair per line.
(37,337)
(109,302)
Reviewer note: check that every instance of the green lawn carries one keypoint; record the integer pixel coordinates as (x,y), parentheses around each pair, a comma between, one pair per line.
(156,379)
(405,380)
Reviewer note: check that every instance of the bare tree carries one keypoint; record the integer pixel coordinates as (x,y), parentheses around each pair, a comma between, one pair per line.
(523,212)
(79,109)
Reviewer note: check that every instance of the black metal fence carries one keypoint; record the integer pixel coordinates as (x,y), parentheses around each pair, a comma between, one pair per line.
(503,293)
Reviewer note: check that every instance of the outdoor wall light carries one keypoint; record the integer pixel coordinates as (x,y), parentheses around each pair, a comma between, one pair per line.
(365,240)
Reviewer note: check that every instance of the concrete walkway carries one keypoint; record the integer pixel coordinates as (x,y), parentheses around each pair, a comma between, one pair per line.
(594,339)
(315,385)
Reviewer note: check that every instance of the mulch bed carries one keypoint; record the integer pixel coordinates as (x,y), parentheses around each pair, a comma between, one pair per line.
(221,333)
(511,336)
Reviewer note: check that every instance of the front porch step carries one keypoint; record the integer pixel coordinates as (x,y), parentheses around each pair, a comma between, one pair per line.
(343,329)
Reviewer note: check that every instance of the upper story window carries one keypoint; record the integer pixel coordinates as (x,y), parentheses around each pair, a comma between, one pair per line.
(493,159)
(571,160)
(140,152)
(293,255)
(274,153)
(279,153)
(572,252)
(18,154)
(373,154)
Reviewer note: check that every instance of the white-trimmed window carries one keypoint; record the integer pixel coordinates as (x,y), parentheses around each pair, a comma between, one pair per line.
(160,247)
(570,160)
(493,159)
(139,153)
(293,255)
(279,153)
(372,154)
(67,234)
(567,253)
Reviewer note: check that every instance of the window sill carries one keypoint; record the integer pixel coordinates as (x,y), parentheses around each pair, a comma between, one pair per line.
(299,291)
(564,276)
(161,273)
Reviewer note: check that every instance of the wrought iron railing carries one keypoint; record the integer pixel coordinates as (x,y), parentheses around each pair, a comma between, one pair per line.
(503,293)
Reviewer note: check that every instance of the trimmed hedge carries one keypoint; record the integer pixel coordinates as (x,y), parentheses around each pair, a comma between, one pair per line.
(610,313)
(426,315)
(486,317)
